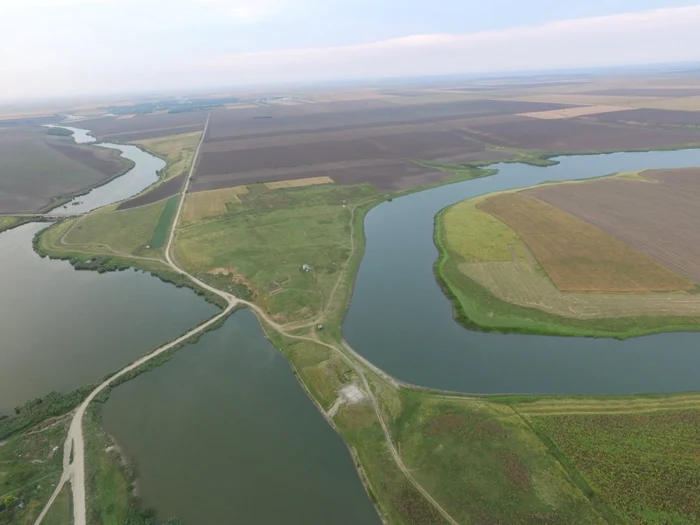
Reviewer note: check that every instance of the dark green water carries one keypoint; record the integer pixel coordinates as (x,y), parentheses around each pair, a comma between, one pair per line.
(61,329)
(401,321)
(223,433)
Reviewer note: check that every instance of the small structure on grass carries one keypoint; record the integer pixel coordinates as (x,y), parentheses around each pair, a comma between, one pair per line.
(307,267)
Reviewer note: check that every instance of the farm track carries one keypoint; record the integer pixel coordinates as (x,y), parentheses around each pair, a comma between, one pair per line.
(74,446)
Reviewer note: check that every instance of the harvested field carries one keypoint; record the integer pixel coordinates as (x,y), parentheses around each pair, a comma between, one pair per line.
(311,181)
(35,168)
(653,117)
(648,92)
(315,117)
(145,126)
(578,256)
(383,174)
(107,164)
(578,135)
(206,204)
(161,191)
(659,220)
(573,112)
(523,283)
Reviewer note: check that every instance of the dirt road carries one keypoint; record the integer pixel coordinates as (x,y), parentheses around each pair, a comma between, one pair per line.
(74,447)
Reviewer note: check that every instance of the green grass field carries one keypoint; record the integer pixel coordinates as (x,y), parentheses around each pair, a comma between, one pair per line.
(30,467)
(36,168)
(265,240)
(162,227)
(128,231)
(61,512)
(484,463)
(641,456)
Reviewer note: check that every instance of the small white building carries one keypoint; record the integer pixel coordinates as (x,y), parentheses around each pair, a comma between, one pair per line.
(307,267)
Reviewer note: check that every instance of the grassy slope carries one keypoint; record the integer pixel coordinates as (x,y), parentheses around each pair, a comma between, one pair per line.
(29,471)
(477,307)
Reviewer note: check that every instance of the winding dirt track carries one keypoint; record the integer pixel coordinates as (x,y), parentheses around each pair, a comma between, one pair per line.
(74,446)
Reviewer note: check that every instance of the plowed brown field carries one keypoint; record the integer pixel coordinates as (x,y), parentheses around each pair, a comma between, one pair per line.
(578,256)
(659,219)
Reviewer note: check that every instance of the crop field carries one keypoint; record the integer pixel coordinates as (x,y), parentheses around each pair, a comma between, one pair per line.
(523,283)
(648,92)
(311,181)
(35,168)
(558,135)
(574,112)
(143,127)
(265,240)
(485,465)
(368,141)
(162,191)
(477,236)
(213,203)
(640,456)
(653,117)
(664,228)
(576,255)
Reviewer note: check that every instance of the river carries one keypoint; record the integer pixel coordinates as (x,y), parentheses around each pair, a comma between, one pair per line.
(223,427)
(401,321)
(144,173)
(223,433)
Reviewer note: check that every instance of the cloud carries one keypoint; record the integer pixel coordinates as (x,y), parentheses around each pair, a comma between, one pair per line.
(251,10)
(664,35)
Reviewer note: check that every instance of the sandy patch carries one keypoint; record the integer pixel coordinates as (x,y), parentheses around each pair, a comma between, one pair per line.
(311,181)
(124,117)
(574,112)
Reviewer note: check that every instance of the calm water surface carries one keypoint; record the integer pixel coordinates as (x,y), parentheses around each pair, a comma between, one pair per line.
(61,329)
(144,173)
(401,321)
(223,433)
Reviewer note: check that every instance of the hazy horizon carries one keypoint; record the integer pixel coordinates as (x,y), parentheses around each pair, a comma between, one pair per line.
(61,48)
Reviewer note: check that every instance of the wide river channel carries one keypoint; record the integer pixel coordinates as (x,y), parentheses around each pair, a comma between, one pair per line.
(223,433)
(401,321)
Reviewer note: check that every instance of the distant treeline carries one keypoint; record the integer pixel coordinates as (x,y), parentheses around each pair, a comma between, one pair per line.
(62,132)
(172,106)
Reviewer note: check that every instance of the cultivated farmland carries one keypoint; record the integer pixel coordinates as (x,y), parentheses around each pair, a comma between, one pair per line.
(143,127)
(659,218)
(639,456)
(36,168)
(576,255)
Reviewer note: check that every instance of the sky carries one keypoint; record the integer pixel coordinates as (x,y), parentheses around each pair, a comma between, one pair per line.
(52,48)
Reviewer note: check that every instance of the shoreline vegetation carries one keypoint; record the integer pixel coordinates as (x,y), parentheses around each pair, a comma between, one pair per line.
(421,421)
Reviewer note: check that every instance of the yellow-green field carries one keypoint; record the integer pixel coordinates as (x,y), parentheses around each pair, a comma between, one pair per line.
(475,235)
(213,203)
